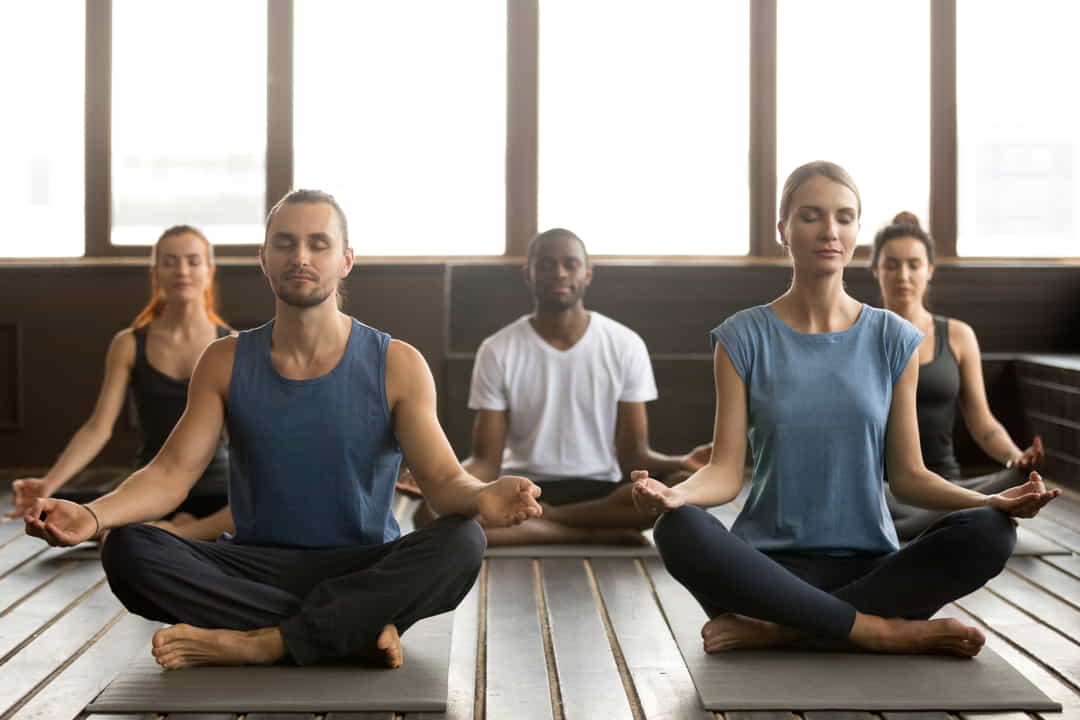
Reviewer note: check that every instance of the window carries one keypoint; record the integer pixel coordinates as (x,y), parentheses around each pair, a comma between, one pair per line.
(1017,132)
(188,119)
(853,87)
(41,129)
(400,113)
(643,125)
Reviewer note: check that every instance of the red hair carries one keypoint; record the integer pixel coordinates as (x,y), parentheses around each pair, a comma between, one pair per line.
(155,308)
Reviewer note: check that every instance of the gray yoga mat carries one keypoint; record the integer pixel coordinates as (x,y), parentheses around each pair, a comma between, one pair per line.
(419,685)
(798,680)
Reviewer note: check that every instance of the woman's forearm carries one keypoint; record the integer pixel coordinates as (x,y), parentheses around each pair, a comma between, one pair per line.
(83,447)
(926,489)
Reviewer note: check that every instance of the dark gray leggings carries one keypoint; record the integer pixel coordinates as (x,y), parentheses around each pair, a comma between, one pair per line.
(911,520)
(819,594)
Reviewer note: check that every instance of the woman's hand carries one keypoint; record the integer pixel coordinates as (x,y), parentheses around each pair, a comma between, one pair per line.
(1024,500)
(25,492)
(1031,458)
(652,496)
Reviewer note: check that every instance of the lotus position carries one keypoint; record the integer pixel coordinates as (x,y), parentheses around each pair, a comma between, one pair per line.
(154,357)
(824,387)
(319,408)
(950,376)
(560,398)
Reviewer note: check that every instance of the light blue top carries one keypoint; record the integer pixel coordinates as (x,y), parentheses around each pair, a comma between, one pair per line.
(818,407)
(313,461)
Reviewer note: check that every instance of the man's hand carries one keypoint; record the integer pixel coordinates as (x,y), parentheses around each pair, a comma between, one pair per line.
(60,522)
(510,500)
(697,458)
(652,496)
(1032,457)
(25,492)
(1024,500)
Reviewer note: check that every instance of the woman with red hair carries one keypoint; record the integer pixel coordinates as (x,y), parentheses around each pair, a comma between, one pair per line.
(155,358)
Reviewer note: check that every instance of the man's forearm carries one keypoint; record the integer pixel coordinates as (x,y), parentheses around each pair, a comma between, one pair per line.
(145,495)
(455,496)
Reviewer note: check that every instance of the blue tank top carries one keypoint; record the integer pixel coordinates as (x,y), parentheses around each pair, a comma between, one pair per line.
(817,411)
(313,461)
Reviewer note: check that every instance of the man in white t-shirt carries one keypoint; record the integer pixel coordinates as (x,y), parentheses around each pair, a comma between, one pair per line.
(560,398)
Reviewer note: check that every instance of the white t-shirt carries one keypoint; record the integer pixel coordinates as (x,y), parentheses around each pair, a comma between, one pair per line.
(562,404)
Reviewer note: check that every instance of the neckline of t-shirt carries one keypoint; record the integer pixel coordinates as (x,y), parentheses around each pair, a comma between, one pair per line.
(551,348)
(353,326)
(818,337)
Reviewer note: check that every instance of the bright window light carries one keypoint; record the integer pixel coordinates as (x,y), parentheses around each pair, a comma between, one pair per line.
(400,114)
(41,128)
(188,119)
(644,128)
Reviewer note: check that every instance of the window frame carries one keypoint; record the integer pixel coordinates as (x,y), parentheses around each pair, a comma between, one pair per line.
(521,159)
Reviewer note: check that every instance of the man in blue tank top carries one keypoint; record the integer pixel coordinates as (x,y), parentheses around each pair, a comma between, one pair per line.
(319,409)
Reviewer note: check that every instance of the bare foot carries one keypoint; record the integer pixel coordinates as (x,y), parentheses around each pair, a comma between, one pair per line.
(731,632)
(946,636)
(389,643)
(181,646)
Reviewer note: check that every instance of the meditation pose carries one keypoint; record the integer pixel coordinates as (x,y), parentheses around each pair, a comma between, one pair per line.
(154,357)
(950,375)
(560,398)
(319,408)
(824,387)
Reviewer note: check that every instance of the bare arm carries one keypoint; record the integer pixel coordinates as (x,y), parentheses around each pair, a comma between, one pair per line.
(92,436)
(633,449)
(720,480)
(208,528)
(987,431)
(447,487)
(488,443)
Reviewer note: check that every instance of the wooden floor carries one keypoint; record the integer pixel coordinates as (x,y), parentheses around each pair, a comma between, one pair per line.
(523,647)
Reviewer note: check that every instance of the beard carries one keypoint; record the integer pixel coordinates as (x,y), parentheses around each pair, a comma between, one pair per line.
(558,303)
(316,296)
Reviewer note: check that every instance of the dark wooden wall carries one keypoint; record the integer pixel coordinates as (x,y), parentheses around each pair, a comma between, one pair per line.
(55,323)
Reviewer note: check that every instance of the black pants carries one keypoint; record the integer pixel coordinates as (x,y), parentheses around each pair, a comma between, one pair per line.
(820,594)
(330,605)
(911,520)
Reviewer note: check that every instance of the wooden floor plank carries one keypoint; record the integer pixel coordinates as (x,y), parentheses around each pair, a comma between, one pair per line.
(196,716)
(915,716)
(1052,530)
(19,551)
(130,716)
(1051,579)
(280,716)
(758,715)
(1065,509)
(589,680)
(1039,641)
(1042,678)
(461,687)
(1066,563)
(352,716)
(517,678)
(837,715)
(29,617)
(661,681)
(37,661)
(1035,601)
(996,716)
(10,528)
(31,577)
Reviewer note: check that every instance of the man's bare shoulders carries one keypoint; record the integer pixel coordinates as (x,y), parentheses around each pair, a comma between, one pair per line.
(214,369)
(406,371)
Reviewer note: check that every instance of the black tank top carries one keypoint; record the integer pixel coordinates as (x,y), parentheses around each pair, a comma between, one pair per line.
(159,402)
(938,390)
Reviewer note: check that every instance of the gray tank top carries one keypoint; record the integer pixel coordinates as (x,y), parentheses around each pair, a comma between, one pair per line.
(936,396)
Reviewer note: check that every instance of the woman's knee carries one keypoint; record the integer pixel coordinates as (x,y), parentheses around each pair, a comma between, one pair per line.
(681,533)
(990,538)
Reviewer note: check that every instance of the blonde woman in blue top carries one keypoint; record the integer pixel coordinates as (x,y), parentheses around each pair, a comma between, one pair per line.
(824,387)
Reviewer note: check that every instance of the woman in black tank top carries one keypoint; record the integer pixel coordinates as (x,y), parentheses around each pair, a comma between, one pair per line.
(154,359)
(950,376)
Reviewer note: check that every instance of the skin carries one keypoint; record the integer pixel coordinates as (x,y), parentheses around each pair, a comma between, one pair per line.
(903,272)
(304,259)
(820,233)
(558,275)
(175,341)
